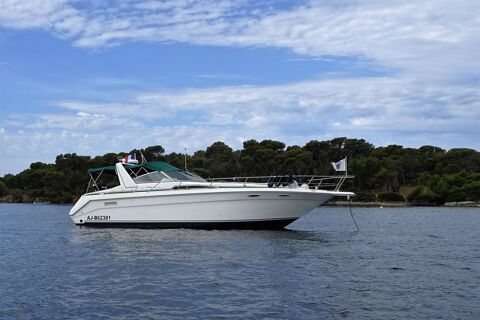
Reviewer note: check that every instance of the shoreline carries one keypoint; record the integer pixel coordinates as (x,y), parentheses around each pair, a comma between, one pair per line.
(461,204)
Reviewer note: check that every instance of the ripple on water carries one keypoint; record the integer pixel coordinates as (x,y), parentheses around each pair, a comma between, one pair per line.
(405,263)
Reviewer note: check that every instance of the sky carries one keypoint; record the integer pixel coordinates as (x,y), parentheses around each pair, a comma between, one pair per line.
(93,77)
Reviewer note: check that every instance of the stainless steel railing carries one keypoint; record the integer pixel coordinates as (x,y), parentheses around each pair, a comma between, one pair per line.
(274,181)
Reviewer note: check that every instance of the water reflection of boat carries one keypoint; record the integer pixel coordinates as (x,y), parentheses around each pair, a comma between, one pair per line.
(156,194)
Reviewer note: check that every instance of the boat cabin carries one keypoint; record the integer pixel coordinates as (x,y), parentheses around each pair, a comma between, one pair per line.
(150,172)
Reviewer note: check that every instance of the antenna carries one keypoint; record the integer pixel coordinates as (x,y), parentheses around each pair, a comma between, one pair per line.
(143,157)
(185,158)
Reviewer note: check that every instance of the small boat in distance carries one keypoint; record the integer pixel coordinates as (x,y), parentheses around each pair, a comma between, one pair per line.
(157,194)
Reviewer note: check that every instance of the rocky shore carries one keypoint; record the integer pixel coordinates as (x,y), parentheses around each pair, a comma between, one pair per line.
(462,204)
(470,204)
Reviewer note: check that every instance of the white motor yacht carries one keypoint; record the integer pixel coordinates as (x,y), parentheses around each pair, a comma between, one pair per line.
(156,194)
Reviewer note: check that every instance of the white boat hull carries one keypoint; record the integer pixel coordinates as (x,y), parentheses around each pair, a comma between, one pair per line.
(252,208)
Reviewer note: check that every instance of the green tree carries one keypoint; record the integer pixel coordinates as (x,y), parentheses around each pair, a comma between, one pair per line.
(220,160)
(3,189)
(434,174)
(154,153)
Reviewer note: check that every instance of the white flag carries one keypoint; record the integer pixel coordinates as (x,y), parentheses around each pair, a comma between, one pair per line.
(340,165)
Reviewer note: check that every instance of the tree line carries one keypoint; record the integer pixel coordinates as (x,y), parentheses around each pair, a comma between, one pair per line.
(428,175)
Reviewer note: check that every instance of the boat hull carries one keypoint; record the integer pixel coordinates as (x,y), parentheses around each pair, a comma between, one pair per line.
(212,225)
(205,209)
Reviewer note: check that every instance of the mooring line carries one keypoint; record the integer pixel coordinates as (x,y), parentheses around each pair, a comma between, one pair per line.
(351,213)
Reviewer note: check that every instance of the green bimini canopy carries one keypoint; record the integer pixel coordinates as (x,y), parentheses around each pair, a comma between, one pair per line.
(150,166)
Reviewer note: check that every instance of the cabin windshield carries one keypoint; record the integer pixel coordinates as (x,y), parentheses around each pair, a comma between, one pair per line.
(160,176)
(185,176)
(156,176)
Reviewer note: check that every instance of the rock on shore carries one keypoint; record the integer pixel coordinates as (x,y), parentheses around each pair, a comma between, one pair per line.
(462,204)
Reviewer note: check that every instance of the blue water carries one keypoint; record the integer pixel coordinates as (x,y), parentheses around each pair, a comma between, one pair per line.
(406,263)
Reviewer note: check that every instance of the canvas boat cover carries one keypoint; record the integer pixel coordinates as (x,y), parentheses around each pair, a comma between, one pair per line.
(150,166)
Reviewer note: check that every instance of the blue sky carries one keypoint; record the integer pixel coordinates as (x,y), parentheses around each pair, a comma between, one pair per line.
(102,76)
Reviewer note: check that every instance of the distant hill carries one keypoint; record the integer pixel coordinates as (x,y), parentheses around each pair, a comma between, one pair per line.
(428,175)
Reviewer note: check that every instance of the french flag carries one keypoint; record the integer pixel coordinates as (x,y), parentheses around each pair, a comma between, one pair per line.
(131,158)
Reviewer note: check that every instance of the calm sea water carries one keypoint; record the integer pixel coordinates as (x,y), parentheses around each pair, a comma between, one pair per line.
(406,263)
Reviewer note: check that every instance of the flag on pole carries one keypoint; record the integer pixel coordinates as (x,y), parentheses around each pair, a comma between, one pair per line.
(131,158)
(340,165)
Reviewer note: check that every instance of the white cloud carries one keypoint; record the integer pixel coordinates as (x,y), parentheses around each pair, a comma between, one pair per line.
(28,14)
(378,109)
(430,46)
(431,38)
